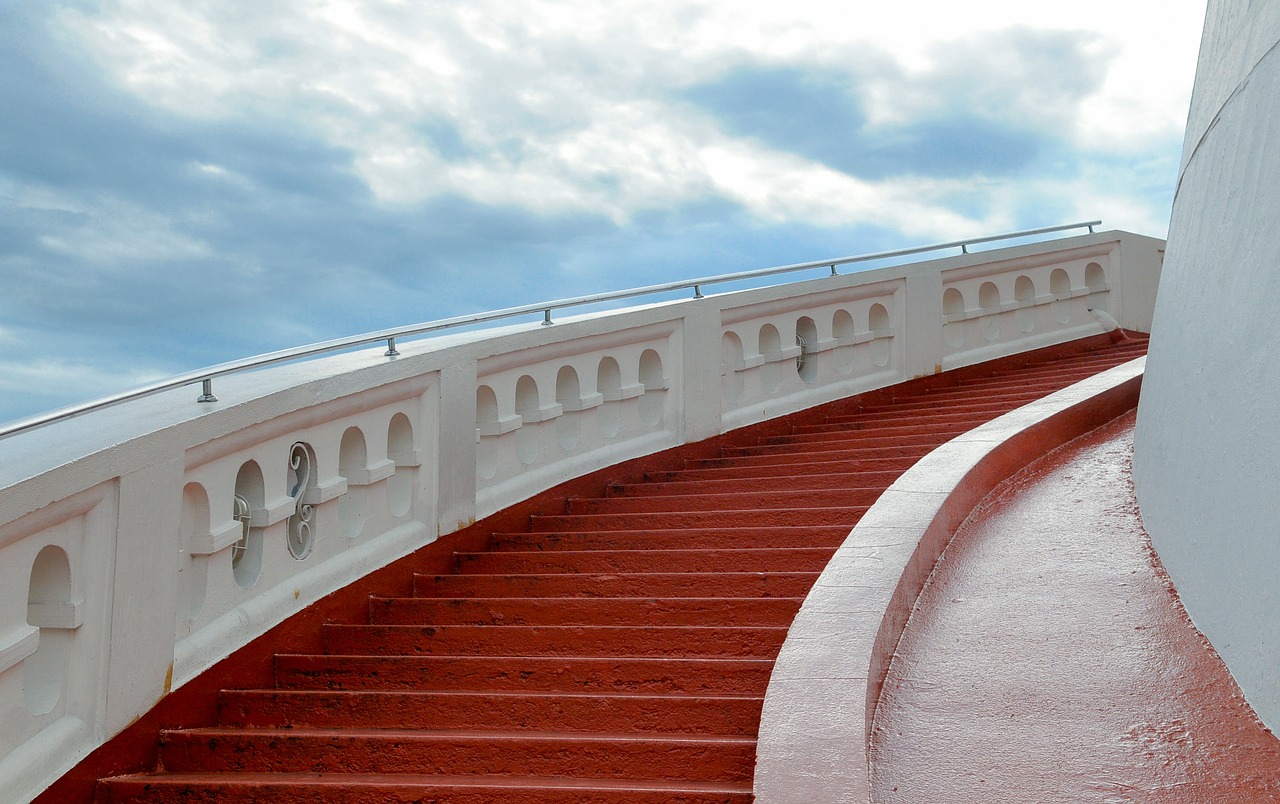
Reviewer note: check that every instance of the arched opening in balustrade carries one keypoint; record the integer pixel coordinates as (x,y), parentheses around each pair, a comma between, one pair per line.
(731,363)
(771,348)
(989,301)
(1060,287)
(1024,293)
(845,333)
(609,383)
(1095,279)
(878,324)
(250,495)
(569,395)
(654,397)
(953,306)
(193,571)
(353,463)
(486,432)
(529,407)
(44,672)
(401,449)
(807,340)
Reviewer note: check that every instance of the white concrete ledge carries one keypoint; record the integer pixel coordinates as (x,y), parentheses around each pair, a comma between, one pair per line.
(821,700)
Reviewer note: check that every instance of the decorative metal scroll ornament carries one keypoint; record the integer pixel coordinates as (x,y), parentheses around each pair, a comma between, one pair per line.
(242,515)
(300,536)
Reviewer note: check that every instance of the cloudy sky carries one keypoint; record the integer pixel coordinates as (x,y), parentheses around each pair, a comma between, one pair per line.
(183,183)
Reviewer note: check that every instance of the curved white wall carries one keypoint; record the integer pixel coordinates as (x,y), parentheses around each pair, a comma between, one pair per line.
(1208,431)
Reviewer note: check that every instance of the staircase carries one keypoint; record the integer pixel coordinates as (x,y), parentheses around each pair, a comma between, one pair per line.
(617,652)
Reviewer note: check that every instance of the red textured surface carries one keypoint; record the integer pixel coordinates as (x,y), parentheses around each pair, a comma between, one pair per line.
(1048,659)
(680,571)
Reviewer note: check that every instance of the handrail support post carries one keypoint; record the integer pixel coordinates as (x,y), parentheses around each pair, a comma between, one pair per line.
(546,317)
(207,388)
(392,351)
(697,291)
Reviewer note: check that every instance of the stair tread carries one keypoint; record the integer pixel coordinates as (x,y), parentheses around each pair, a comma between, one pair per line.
(466,694)
(464,734)
(429,781)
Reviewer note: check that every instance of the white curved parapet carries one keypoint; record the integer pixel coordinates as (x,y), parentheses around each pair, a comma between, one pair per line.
(141,544)
(1208,430)
(815,728)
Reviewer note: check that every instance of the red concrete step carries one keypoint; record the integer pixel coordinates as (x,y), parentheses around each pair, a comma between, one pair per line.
(743,500)
(826,515)
(909,405)
(1045,381)
(927,420)
(778,482)
(1050,377)
(883,457)
(499,611)
(467,753)
(1097,361)
(535,562)
(737,468)
(887,443)
(613,674)
(719,641)
(503,711)
(778,536)
(936,429)
(636,584)
(943,398)
(350,788)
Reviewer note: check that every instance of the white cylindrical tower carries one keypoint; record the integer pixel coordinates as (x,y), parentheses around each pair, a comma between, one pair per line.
(1207,447)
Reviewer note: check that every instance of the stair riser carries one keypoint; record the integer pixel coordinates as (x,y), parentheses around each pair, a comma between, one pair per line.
(802,482)
(1049,378)
(935,403)
(798,560)
(924,421)
(1050,369)
(720,501)
(739,470)
(927,404)
(845,516)
(585,611)
(158,790)
(877,457)
(854,441)
(534,563)
(898,429)
(531,674)
(276,752)
(706,538)
(977,389)
(610,714)
(520,640)
(747,584)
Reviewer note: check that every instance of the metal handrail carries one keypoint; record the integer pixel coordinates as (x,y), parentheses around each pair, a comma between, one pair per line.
(206,375)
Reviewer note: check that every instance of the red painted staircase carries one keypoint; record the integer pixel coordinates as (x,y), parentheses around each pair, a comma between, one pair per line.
(617,652)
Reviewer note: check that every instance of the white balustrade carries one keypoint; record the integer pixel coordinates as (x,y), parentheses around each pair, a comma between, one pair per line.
(142,543)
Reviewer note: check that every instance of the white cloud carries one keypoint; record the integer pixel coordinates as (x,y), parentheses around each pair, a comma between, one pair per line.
(566,107)
(109,233)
